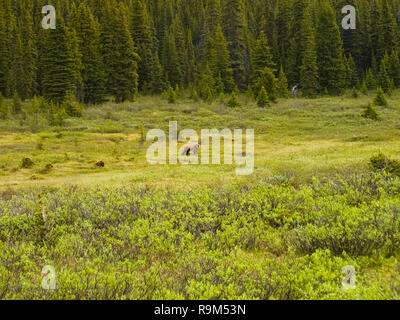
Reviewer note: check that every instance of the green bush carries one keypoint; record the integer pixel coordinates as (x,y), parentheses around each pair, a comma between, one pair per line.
(370,112)
(262,99)
(169,95)
(380,98)
(242,241)
(382,163)
(233,101)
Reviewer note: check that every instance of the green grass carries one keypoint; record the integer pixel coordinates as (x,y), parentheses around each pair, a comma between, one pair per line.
(296,137)
(131,230)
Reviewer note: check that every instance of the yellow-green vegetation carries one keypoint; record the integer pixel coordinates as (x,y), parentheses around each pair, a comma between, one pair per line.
(296,138)
(324,195)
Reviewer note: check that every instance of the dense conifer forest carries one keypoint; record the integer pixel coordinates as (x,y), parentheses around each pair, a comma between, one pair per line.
(111,48)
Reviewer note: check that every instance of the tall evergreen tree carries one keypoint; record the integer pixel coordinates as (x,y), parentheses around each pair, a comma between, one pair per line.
(119,55)
(384,79)
(329,50)
(92,86)
(29,54)
(394,68)
(281,34)
(149,68)
(261,57)
(4,54)
(219,61)
(297,40)
(309,68)
(235,30)
(170,61)
(58,64)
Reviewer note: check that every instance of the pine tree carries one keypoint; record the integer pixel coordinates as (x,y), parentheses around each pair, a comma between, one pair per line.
(29,53)
(233,101)
(149,68)
(236,36)
(58,64)
(207,85)
(384,80)
(370,112)
(263,69)
(370,80)
(380,98)
(91,88)
(16,104)
(221,64)
(309,68)
(76,63)
(394,68)
(282,84)
(351,72)
(4,54)
(355,93)
(267,80)
(169,95)
(364,89)
(17,65)
(281,35)
(170,61)
(192,68)
(8,59)
(261,57)
(119,55)
(329,50)
(388,36)
(3,108)
(262,98)
(297,41)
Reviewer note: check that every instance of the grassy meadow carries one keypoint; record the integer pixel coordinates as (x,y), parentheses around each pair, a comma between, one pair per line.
(131,230)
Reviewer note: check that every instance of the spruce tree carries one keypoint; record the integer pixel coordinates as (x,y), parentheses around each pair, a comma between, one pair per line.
(149,68)
(370,112)
(76,63)
(170,95)
(297,41)
(267,80)
(170,61)
(119,55)
(207,85)
(91,89)
(388,35)
(261,57)
(4,54)
(192,68)
(394,68)
(3,108)
(16,103)
(281,34)
(351,72)
(17,65)
(329,50)
(221,64)
(262,98)
(384,80)
(57,64)
(233,101)
(380,98)
(30,54)
(309,68)
(236,35)
(282,84)
(370,80)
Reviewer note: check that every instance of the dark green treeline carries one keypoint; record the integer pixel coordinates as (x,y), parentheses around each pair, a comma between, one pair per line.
(119,48)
